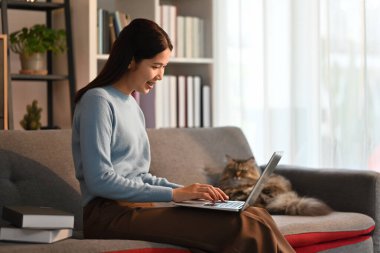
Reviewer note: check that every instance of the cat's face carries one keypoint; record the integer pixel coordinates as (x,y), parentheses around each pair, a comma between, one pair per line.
(240,169)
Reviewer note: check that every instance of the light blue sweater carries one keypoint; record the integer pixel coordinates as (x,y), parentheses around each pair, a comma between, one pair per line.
(111,149)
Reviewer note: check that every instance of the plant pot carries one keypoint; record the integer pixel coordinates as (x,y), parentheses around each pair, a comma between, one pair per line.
(33,64)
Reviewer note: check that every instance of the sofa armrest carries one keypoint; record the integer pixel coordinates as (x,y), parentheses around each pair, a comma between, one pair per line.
(343,189)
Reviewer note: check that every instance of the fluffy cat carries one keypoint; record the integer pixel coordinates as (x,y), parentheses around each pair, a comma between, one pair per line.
(277,196)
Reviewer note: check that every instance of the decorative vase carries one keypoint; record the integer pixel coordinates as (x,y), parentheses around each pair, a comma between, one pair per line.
(33,64)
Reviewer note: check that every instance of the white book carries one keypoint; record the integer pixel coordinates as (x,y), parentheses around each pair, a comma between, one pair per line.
(180,40)
(34,235)
(159,103)
(37,217)
(100,31)
(181,101)
(165,101)
(168,23)
(201,38)
(189,37)
(165,18)
(190,101)
(195,36)
(173,27)
(197,101)
(206,105)
(173,101)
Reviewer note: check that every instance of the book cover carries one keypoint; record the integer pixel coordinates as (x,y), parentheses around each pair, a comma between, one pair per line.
(37,217)
(189,53)
(106,32)
(206,106)
(197,101)
(112,28)
(190,101)
(11,233)
(100,31)
(181,90)
(180,40)
(159,103)
(173,101)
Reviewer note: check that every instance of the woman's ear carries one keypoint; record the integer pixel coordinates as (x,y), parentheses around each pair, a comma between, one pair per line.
(132,64)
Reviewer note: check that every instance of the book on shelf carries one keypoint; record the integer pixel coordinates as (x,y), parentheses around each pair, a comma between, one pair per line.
(172,101)
(37,217)
(106,32)
(189,37)
(100,31)
(112,28)
(168,23)
(197,101)
(206,106)
(180,40)
(189,101)
(181,91)
(11,233)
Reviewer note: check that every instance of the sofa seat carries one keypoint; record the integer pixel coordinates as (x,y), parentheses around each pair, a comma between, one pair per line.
(316,234)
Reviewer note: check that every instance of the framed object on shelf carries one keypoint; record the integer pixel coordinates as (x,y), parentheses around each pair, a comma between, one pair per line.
(3,83)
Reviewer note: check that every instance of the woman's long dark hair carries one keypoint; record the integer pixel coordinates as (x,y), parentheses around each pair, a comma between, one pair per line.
(141,39)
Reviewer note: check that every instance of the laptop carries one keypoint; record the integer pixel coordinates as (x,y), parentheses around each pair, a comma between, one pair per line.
(238,206)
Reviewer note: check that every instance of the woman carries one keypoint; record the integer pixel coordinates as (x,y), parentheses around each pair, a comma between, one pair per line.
(112,158)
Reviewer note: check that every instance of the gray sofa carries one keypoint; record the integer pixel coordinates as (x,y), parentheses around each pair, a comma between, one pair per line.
(36,168)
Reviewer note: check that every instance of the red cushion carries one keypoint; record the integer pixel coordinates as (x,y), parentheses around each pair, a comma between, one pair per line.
(301,240)
(331,245)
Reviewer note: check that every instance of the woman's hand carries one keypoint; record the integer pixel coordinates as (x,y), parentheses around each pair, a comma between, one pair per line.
(199,191)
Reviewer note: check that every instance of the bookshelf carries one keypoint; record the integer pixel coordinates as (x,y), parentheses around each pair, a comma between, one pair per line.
(52,11)
(90,61)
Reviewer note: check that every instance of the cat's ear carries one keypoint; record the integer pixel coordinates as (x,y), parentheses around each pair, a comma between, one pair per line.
(229,159)
(251,159)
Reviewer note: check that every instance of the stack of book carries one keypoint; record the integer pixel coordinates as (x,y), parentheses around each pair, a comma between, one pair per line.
(36,224)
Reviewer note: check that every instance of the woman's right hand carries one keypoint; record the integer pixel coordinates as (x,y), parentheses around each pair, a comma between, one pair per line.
(199,191)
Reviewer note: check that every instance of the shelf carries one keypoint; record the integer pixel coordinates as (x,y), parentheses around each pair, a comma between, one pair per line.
(34,6)
(38,77)
(104,57)
(192,60)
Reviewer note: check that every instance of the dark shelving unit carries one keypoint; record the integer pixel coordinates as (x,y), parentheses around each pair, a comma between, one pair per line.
(47,7)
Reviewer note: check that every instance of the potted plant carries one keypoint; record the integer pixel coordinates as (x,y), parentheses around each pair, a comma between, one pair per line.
(33,43)
(32,118)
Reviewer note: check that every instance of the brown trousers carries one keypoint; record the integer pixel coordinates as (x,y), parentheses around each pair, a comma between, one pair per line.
(201,230)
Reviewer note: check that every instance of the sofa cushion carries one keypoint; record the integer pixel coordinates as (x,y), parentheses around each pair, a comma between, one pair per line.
(302,231)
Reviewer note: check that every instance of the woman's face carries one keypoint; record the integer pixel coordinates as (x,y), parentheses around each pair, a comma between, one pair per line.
(145,74)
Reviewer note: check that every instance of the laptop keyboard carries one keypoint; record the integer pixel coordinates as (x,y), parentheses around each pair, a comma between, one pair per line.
(228,204)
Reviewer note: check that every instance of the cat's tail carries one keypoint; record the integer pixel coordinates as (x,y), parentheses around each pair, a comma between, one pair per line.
(291,204)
